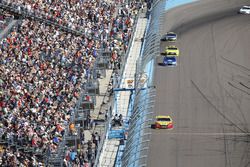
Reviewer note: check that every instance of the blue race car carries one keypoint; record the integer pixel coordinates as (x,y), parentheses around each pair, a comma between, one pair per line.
(169,61)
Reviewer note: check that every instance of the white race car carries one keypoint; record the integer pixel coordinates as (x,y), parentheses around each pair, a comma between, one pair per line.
(245,10)
(170,36)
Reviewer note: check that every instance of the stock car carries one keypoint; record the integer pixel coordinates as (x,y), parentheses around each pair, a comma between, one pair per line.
(171,51)
(244,10)
(169,61)
(170,36)
(162,122)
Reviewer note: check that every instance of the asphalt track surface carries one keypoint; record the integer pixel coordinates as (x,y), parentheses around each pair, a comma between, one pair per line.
(208,93)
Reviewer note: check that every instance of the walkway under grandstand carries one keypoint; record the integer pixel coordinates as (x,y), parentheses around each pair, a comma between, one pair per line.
(124,94)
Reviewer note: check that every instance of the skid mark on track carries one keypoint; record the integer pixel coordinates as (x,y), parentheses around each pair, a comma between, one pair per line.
(238,87)
(243,68)
(239,109)
(216,109)
(246,86)
(241,83)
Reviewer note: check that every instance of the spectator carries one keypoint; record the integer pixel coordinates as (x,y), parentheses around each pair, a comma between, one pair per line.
(92,123)
(86,164)
(82,136)
(72,129)
(96,139)
(88,121)
(73,155)
(117,120)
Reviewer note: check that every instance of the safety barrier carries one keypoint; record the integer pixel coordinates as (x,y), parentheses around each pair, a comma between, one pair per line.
(152,38)
(139,131)
(139,134)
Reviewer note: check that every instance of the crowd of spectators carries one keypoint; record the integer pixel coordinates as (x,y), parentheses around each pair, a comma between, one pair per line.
(42,70)
(80,15)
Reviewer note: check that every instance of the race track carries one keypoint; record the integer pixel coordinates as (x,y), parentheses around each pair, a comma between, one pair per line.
(208,93)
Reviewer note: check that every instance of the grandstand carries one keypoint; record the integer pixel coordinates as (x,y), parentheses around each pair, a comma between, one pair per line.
(51,57)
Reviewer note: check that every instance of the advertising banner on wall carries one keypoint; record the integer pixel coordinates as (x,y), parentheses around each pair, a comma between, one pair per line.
(141,81)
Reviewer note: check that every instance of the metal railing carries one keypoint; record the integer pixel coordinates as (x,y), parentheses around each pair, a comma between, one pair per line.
(139,131)
(108,122)
(139,135)
(57,158)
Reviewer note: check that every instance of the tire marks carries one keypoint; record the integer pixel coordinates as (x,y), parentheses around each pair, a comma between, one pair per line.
(237,87)
(216,109)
